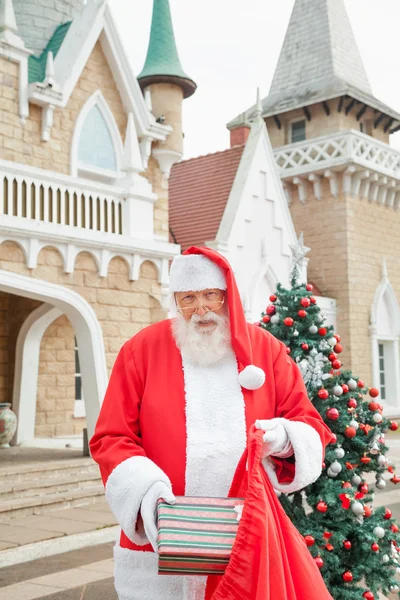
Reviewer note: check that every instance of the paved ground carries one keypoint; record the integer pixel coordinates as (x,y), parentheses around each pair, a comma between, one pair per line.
(20,455)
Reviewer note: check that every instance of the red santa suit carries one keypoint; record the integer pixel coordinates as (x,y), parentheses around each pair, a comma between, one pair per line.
(165,418)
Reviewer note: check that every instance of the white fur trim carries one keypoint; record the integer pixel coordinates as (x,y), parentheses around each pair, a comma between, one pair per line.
(195,272)
(252,377)
(308,451)
(125,488)
(215,426)
(136,578)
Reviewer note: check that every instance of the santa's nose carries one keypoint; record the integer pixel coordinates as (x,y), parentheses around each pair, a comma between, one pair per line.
(201,311)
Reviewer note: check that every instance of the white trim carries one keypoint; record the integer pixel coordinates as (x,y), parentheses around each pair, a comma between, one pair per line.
(26,372)
(87,330)
(20,56)
(96,99)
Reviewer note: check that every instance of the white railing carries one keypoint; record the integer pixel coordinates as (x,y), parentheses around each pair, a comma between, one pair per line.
(336,150)
(47,197)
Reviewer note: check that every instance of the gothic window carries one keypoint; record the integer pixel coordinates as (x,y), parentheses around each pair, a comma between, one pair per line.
(96,147)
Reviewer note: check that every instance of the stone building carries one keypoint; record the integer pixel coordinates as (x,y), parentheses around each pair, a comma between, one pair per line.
(331,139)
(85,153)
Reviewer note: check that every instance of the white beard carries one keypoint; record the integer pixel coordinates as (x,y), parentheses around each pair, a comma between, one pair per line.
(203,347)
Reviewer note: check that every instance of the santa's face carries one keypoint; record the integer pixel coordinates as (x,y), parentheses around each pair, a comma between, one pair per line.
(197,306)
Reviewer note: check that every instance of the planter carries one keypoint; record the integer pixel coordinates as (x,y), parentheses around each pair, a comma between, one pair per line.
(8,424)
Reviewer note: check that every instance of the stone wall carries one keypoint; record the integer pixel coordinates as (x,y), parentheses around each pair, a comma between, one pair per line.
(122,307)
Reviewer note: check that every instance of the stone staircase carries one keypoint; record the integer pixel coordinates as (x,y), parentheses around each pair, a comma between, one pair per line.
(40,487)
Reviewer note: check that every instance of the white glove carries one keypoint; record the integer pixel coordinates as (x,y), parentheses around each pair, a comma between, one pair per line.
(148,509)
(276,440)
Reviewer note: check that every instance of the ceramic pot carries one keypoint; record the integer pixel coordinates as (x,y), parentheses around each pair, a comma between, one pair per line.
(8,424)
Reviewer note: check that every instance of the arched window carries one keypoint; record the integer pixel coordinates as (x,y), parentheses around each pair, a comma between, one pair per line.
(385,337)
(97,148)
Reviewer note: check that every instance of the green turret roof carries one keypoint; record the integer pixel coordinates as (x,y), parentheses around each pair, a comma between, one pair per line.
(37,64)
(162,61)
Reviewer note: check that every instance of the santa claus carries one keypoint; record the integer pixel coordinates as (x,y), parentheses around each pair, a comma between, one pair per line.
(182,397)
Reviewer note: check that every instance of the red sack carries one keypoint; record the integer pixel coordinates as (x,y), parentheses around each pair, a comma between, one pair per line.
(270,559)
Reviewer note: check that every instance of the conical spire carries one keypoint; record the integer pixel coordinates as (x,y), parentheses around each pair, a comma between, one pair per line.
(8,24)
(162,61)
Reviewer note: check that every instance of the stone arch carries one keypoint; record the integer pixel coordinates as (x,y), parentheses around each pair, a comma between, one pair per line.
(145,269)
(86,326)
(54,258)
(85,254)
(5,244)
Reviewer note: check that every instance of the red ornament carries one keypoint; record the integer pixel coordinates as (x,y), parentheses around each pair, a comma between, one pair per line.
(310,541)
(288,350)
(375,547)
(333,414)
(390,469)
(337,336)
(302,314)
(336,364)
(323,394)
(333,438)
(319,562)
(338,348)
(329,547)
(271,309)
(266,319)
(305,302)
(373,406)
(363,487)
(395,479)
(368,596)
(394,426)
(304,347)
(345,499)
(322,507)
(322,331)
(257,324)
(313,300)
(347,544)
(367,511)
(328,535)
(273,298)
(347,576)
(360,383)
(388,514)
(365,460)
(332,356)
(373,392)
(309,287)
(395,528)
(346,485)
(352,403)
(345,388)
(288,321)
(350,432)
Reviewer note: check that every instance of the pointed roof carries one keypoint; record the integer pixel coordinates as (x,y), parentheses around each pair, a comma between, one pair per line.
(37,64)
(319,60)
(162,61)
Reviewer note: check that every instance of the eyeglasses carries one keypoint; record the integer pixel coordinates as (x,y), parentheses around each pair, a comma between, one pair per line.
(212,302)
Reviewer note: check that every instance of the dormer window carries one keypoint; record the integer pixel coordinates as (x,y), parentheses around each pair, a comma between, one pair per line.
(298,131)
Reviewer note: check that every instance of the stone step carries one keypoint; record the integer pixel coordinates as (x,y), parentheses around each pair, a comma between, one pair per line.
(49,485)
(18,473)
(37,505)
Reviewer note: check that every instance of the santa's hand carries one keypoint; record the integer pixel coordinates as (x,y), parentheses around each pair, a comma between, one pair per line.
(148,509)
(275,438)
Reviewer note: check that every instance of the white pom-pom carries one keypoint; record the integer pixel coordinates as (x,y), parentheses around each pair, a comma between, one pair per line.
(252,377)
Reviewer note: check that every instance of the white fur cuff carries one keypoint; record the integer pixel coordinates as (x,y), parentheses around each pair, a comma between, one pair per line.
(125,488)
(308,452)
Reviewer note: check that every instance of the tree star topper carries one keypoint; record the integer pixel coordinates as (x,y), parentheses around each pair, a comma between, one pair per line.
(299,251)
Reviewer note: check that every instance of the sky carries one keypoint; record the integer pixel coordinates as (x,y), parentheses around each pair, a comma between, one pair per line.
(231,47)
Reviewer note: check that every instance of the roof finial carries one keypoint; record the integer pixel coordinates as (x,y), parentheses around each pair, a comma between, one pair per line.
(259,109)
(132,159)
(49,79)
(8,25)
(384,269)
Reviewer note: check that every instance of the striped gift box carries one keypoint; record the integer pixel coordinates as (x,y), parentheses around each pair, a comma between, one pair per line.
(196,535)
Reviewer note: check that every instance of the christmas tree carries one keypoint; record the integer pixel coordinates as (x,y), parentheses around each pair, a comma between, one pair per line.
(355,546)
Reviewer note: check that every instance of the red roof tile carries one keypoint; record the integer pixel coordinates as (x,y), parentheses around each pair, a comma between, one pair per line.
(199,189)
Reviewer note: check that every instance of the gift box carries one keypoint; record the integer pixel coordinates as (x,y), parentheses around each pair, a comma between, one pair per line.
(196,535)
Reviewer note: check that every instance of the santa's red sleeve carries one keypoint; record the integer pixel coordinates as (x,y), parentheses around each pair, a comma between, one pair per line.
(116,446)
(307,433)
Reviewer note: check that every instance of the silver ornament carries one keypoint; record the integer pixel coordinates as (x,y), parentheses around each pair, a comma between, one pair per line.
(335,467)
(331,473)
(356,480)
(381,460)
(385,558)
(354,424)
(275,319)
(374,449)
(337,390)
(380,484)
(377,417)
(379,532)
(339,452)
(352,383)
(313,352)
(357,508)
(332,341)
(295,333)
(313,329)
(393,589)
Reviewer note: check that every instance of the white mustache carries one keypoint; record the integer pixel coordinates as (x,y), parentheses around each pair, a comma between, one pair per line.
(207,318)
